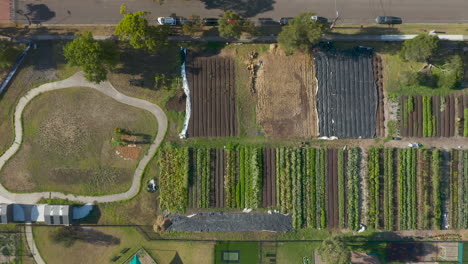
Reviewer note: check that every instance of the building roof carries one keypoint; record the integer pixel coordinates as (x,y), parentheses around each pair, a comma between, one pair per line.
(57,214)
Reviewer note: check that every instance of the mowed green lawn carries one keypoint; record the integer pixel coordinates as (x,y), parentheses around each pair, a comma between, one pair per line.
(67,144)
(245,252)
(97,251)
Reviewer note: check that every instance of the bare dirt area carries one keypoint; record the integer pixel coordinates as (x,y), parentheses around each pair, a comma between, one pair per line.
(212,85)
(67,144)
(286,90)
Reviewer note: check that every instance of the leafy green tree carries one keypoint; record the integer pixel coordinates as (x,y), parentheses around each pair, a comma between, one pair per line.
(190,29)
(95,58)
(334,251)
(135,29)
(232,25)
(420,48)
(301,33)
(453,75)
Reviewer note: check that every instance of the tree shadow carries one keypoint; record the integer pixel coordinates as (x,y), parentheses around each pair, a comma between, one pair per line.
(95,237)
(244,8)
(141,139)
(176,259)
(37,14)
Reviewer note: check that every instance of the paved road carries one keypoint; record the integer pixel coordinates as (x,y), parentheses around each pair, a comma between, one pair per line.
(351,11)
(106,88)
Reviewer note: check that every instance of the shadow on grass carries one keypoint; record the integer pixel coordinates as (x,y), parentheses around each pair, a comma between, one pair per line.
(243,8)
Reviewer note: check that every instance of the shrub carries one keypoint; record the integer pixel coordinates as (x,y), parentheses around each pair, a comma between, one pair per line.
(419,48)
(409,78)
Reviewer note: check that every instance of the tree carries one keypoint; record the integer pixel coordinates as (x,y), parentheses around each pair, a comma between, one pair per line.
(232,25)
(334,251)
(95,58)
(301,33)
(195,26)
(135,29)
(453,74)
(420,48)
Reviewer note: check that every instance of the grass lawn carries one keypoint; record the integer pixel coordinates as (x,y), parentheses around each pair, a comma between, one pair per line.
(66,145)
(238,252)
(294,252)
(45,64)
(98,250)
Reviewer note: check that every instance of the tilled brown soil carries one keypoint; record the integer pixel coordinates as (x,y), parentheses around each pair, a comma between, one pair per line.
(380,118)
(332,188)
(286,90)
(212,86)
(269,177)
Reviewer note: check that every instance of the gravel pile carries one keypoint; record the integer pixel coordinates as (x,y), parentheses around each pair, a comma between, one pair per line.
(231,222)
(347,93)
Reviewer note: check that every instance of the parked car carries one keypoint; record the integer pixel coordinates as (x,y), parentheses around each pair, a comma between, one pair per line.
(183,20)
(320,19)
(388,20)
(210,21)
(285,20)
(167,21)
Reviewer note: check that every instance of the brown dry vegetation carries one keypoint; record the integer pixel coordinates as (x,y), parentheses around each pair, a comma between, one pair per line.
(286,90)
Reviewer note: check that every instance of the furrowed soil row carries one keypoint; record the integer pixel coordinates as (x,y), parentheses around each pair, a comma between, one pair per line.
(332,185)
(211,82)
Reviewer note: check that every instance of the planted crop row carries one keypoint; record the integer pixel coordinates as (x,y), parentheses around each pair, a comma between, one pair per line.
(353,193)
(428,118)
(249,187)
(462,190)
(203,177)
(436,195)
(341,189)
(409,108)
(388,189)
(407,188)
(173,179)
(465,122)
(374,187)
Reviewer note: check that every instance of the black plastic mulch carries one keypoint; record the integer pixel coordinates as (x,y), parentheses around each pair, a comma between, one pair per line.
(231,222)
(347,93)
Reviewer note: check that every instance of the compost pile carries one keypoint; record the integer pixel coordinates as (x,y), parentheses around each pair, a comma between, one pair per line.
(231,222)
(347,93)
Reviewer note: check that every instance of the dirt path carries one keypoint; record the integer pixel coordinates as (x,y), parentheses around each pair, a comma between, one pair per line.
(106,88)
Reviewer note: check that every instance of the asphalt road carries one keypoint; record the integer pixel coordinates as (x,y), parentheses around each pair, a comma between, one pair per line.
(351,11)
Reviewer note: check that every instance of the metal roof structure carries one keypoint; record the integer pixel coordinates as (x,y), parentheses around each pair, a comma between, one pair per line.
(58,215)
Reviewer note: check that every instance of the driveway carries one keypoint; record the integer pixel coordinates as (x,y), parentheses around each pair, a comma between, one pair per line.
(351,11)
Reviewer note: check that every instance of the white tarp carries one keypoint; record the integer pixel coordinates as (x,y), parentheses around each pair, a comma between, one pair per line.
(188,102)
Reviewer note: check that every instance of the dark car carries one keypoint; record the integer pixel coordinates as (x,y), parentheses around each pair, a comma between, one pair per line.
(210,21)
(285,20)
(320,19)
(388,20)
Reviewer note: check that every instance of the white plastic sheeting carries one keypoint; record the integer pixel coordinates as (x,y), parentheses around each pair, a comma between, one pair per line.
(188,102)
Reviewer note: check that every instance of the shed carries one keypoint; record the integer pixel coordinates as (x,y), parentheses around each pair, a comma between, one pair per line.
(6,213)
(58,215)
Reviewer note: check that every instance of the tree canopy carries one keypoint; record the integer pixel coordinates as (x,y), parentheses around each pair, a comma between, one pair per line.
(95,58)
(135,29)
(420,48)
(301,33)
(334,251)
(232,25)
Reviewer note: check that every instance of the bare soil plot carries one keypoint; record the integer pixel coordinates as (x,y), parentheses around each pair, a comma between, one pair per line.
(347,97)
(67,144)
(332,188)
(286,90)
(212,86)
(269,177)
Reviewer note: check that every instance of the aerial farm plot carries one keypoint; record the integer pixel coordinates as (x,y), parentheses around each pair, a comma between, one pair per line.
(347,97)
(212,86)
(433,116)
(286,89)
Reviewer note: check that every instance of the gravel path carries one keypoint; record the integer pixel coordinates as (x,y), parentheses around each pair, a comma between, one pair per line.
(106,88)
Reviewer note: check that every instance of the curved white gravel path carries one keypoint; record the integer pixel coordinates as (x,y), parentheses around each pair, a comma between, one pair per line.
(106,88)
